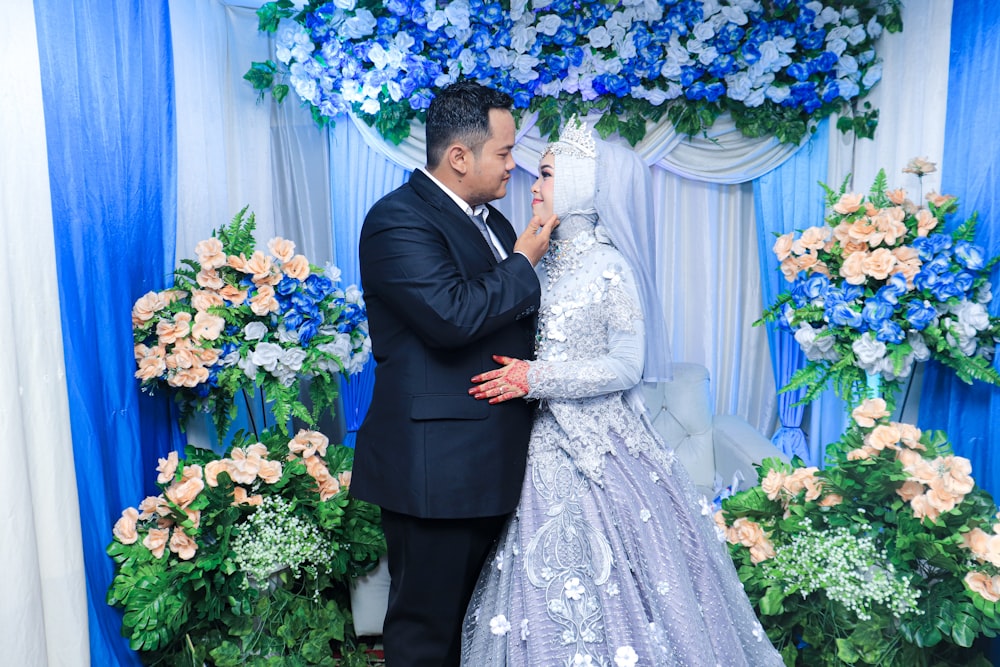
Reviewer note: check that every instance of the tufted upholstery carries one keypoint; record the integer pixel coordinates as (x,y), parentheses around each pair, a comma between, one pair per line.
(706,444)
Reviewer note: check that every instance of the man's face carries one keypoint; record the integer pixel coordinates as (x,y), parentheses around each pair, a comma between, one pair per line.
(490,170)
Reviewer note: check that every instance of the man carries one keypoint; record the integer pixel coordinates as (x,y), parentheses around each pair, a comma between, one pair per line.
(444,295)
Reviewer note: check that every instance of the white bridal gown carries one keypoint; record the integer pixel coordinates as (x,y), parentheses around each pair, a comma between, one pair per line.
(611,558)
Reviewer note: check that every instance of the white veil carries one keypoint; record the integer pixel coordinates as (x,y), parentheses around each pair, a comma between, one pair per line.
(624,204)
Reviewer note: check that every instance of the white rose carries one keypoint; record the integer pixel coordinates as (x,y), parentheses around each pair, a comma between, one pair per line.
(868,351)
(254,330)
(267,356)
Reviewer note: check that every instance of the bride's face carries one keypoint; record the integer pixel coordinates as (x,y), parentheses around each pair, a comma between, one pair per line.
(542,199)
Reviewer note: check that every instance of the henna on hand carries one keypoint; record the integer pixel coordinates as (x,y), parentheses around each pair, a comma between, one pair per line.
(503,384)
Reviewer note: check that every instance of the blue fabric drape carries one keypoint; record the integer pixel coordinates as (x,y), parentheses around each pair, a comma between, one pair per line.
(109,118)
(971,171)
(785,199)
(359,176)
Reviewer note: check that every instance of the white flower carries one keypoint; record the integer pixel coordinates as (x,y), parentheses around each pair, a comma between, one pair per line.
(626,656)
(645,515)
(255,330)
(613,589)
(499,625)
(663,588)
(599,37)
(868,350)
(524,630)
(580,660)
(573,589)
(267,356)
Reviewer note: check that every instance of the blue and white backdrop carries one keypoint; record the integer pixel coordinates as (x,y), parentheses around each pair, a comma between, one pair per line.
(127,134)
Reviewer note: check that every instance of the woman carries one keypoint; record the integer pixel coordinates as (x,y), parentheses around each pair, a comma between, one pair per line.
(610,558)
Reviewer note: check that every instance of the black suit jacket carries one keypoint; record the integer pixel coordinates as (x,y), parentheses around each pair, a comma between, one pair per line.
(439,306)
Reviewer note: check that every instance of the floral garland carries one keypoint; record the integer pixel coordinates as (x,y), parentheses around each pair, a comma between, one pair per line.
(237,319)
(887,556)
(776,66)
(881,286)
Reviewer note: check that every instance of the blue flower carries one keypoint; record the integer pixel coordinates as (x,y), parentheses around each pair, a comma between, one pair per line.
(894,288)
(889,332)
(920,314)
(842,315)
(970,255)
(876,312)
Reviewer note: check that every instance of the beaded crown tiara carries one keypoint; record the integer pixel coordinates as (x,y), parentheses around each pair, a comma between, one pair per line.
(575,139)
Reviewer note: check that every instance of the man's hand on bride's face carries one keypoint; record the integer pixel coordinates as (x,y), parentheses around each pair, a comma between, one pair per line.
(507,382)
(534,240)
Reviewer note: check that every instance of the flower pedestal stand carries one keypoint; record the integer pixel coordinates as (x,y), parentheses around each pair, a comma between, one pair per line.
(369,598)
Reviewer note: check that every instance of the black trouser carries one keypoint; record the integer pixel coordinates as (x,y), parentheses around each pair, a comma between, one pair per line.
(433,565)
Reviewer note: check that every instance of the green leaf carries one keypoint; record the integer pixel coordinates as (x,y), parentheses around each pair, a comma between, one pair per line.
(773,601)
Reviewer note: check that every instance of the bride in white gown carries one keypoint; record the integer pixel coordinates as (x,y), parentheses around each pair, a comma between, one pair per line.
(611,558)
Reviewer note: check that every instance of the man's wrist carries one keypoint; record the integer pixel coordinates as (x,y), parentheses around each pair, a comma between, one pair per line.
(525,255)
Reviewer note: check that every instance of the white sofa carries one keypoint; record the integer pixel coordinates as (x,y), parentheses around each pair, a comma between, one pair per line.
(707,444)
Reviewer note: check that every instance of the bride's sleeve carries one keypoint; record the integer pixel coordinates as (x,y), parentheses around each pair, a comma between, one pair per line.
(617,369)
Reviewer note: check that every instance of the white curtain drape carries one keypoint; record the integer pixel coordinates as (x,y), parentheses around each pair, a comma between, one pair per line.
(43,604)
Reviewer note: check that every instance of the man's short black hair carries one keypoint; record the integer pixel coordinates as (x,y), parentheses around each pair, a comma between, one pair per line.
(461,112)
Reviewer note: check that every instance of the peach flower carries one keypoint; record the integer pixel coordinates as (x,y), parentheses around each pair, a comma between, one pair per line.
(183,545)
(977,541)
(233,294)
(239,263)
(264,302)
(156,541)
(849,202)
(897,196)
(204,299)
(850,247)
(956,475)
(281,248)
(150,506)
(207,355)
(171,295)
(207,326)
(922,508)
(938,200)
(297,267)
(212,470)
(908,458)
(150,367)
(270,471)
(124,530)
(194,516)
(773,483)
(209,278)
(720,520)
(941,500)
(183,493)
(859,454)
(879,263)
(926,222)
(869,410)
(890,223)
(807,261)
(790,269)
(240,497)
(814,238)
(919,166)
(344,478)
(761,551)
(210,254)
(307,443)
(813,487)
(146,307)
(883,436)
(188,377)
(988,587)
(261,267)
(167,468)
(745,532)
(852,270)
(909,490)
(909,435)
(797,480)
(783,246)
(831,499)
(169,331)
(907,262)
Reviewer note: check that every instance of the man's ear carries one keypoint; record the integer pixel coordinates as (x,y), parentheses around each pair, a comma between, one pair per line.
(458,156)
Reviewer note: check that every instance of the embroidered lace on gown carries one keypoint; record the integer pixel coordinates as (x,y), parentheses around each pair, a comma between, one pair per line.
(611,558)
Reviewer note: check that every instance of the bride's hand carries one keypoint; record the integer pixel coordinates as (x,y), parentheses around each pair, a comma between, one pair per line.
(503,384)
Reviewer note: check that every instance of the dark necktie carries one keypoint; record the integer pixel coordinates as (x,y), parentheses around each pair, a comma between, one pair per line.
(481,226)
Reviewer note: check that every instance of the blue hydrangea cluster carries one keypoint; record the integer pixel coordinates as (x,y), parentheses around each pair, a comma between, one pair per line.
(373,57)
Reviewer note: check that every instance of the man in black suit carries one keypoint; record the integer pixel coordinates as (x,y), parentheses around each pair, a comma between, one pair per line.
(444,294)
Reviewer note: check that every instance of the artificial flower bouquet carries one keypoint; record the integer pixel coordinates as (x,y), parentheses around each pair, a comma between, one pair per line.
(883,285)
(888,556)
(246,558)
(237,319)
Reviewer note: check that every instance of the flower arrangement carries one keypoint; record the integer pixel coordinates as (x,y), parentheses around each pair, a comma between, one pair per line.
(775,66)
(237,319)
(881,286)
(888,556)
(246,558)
